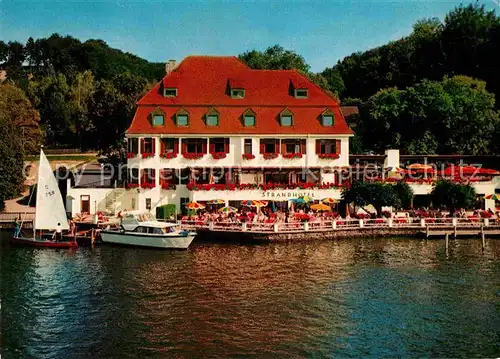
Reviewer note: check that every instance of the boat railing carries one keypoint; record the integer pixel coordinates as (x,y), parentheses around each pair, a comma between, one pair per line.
(19,216)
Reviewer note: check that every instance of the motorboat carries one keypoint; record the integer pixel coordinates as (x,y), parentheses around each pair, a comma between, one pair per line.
(143,230)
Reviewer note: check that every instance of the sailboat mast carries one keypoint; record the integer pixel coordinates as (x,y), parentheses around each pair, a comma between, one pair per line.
(37,189)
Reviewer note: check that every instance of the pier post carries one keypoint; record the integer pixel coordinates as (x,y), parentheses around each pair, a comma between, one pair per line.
(427,232)
(244,227)
(306,226)
(483,238)
(446,241)
(361,223)
(211,226)
(454,222)
(422,222)
(275,227)
(486,222)
(334,224)
(390,222)
(455,232)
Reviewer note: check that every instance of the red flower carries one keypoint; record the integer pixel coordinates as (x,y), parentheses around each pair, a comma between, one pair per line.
(218,155)
(169,155)
(292,155)
(270,156)
(147,185)
(167,186)
(331,156)
(193,156)
(131,155)
(132,185)
(248,156)
(147,154)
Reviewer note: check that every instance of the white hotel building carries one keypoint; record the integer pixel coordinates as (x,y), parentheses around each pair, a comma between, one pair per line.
(214,128)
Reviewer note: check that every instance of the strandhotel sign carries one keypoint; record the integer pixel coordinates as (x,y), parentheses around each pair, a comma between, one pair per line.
(286,194)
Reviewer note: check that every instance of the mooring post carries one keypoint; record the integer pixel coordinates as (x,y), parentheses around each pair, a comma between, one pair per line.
(422,222)
(483,238)
(306,226)
(446,241)
(244,227)
(426,232)
(211,226)
(275,227)
(455,232)
(334,224)
(361,223)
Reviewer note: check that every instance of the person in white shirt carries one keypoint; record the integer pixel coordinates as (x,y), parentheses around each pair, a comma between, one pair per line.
(58,232)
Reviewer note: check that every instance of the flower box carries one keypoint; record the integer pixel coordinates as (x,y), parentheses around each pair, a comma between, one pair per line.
(264,187)
(132,185)
(147,154)
(218,155)
(131,155)
(169,155)
(292,155)
(192,156)
(248,156)
(270,156)
(148,185)
(167,186)
(329,156)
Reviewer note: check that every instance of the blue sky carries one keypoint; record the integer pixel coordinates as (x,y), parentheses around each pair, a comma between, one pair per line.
(321,31)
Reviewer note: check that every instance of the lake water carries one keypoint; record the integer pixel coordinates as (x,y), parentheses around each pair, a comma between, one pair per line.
(345,298)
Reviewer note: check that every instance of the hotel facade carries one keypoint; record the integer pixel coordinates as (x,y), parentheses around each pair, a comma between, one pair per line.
(214,128)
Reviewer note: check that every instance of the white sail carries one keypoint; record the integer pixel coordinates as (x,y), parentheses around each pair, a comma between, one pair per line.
(49,204)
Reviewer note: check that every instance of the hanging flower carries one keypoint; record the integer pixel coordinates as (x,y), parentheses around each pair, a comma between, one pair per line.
(292,155)
(193,156)
(248,156)
(167,186)
(218,155)
(147,185)
(132,185)
(147,154)
(131,155)
(169,155)
(330,156)
(270,156)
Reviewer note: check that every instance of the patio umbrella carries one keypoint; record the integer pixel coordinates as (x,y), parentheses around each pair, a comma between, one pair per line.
(320,207)
(493,197)
(194,205)
(216,201)
(254,203)
(228,209)
(301,199)
(329,200)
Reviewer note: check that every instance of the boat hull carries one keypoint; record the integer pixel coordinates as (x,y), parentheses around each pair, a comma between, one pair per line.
(43,243)
(143,240)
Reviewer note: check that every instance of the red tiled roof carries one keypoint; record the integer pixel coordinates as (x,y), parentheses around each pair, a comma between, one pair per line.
(202,83)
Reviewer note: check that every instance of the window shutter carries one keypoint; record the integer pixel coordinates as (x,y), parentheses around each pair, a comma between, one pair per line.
(212,146)
(153,175)
(176,145)
(162,145)
(204,145)
(153,145)
(318,147)
(184,146)
(142,145)
(262,147)
(283,147)
(303,146)
(143,176)
(276,146)
(226,145)
(337,146)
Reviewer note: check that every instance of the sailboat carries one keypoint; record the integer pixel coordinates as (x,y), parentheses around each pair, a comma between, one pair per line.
(50,213)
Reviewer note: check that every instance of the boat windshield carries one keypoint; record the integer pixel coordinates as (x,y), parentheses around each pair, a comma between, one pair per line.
(145,217)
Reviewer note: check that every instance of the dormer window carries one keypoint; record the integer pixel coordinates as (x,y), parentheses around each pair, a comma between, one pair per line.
(286,118)
(301,93)
(182,118)
(249,119)
(158,120)
(157,117)
(170,92)
(212,118)
(327,118)
(237,93)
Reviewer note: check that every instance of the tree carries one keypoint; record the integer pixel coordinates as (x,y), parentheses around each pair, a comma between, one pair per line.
(453,195)
(275,58)
(375,193)
(454,116)
(19,134)
(404,193)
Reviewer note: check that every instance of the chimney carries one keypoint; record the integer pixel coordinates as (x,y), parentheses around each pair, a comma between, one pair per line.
(170,66)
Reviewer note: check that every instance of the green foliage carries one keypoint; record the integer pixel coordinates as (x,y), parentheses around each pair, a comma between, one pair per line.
(375,193)
(274,58)
(404,193)
(19,133)
(166,211)
(453,195)
(456,115)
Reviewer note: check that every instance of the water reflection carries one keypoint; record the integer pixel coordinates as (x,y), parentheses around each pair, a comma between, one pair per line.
(385,297)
